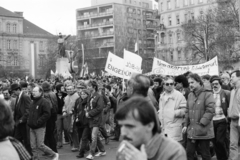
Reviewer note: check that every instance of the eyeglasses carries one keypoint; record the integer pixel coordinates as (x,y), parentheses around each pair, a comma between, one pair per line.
(167,84)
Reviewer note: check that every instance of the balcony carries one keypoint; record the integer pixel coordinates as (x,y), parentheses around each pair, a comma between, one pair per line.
(98,35)
(107,44)
(101,14)
(150,46)
(150,17)
(95,25)
(150,36)
(151,26)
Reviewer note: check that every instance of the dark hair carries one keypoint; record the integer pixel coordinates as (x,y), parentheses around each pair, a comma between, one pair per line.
(6,119)
(108,87)
(207,77)
(237,73)
(182,79)
(151,82)
(146,113)
(140,84)
(196,77)
(58,87)
(157,79)
(93,84)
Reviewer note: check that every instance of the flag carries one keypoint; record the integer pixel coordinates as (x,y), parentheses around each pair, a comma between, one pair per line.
(52,73)
(136,47)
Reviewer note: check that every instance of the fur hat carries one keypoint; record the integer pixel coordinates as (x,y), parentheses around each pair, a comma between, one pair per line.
(15,86)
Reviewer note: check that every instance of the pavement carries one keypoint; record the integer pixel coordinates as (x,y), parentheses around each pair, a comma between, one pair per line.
(65,153)
(111,149)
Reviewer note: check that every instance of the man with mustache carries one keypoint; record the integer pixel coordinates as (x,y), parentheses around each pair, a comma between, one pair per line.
(198,118)
(140,132)
(220,124)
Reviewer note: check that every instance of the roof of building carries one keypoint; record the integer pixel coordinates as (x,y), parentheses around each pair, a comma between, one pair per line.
(28,27)
(7,13)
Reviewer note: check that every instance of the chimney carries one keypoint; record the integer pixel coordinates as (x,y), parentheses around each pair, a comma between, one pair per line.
(19,13)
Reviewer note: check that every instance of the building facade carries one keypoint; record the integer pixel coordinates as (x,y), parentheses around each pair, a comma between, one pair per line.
(175,13)
(16,36)
(113,27)
(137,3)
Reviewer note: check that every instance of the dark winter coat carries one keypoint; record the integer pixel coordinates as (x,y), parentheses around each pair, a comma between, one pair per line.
(199,114)
(80,113)
(39,113)
(95,108)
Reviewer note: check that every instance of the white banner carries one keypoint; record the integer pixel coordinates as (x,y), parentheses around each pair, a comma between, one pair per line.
(164,68)
(132,61)
(115,66)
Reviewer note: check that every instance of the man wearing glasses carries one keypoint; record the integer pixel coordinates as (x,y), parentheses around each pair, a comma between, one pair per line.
(222,99)
(172,107)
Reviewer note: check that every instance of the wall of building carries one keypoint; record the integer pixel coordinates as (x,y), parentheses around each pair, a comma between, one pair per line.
(138,3)
(174,13)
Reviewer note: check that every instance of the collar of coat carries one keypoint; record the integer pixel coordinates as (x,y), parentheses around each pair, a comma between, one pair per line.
(198,92)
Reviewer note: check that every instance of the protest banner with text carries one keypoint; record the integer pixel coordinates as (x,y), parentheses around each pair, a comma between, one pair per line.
(164,68)
(115,66)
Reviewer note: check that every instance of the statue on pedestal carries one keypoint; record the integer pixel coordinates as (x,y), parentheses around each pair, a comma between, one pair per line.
(61,45)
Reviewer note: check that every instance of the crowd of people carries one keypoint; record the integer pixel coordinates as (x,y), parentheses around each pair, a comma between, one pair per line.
(155,117)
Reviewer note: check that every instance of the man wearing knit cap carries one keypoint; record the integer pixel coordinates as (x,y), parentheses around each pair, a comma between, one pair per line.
(48,94)
(24,86)
(222,100)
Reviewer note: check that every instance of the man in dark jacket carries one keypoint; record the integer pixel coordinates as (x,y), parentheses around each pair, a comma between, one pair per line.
(51,131)
(198,118)
(94,112)
(21,111)
(40,112)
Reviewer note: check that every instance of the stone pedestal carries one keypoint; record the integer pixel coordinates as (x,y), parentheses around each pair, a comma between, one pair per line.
(62,67)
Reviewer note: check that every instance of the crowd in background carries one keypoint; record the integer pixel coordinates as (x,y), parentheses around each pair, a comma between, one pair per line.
(201,113)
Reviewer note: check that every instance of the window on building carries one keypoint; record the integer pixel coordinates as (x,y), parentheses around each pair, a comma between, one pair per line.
(14,28)
(161,6)
(8,44)
(41,61)
(130,1)
(41,45)
(169,4)
(177,3)
(15,44)
(15,60)
(178,36)
(200,1)
(185,2)
(201,15)
(186,17)
(179,55)
(162,38)
(8,27)
(171,55)
(170,38)
(169,21)
(191,2)
(192,16)
(178,19)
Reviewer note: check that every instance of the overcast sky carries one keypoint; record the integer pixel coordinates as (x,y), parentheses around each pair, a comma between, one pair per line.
(52,15)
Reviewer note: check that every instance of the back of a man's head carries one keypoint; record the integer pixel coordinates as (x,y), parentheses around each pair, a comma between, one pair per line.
(141,110)
(6,119)
(140,84)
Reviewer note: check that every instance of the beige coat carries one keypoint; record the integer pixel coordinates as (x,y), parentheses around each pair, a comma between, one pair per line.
(172,109)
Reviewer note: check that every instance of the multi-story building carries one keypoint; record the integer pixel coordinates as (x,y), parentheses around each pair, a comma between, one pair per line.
(16,36)
(137,3)
(174,13)
(113,27)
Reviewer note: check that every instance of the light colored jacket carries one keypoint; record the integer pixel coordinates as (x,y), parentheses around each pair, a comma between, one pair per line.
(172,110)
(69,103)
